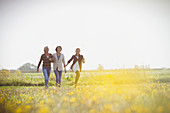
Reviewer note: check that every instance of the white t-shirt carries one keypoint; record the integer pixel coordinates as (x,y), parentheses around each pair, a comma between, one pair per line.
(76,66)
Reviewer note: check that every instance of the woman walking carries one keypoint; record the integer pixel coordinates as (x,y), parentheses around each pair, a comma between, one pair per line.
(47,59)
(59,61)
(77,64)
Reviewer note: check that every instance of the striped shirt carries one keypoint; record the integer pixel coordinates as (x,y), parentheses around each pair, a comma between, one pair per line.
(46,61)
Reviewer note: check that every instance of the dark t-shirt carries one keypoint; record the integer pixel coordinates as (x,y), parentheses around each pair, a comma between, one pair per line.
(46,61)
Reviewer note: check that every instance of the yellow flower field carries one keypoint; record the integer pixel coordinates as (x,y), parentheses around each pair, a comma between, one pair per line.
(120,91)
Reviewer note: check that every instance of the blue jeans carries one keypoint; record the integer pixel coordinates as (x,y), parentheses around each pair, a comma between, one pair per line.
(46,72)
(58,75)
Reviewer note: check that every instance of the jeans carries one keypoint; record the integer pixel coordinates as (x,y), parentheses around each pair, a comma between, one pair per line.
(46,72)
(58,75)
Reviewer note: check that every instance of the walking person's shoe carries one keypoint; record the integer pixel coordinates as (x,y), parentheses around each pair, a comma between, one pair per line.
(75,85)
(56,84)
(46,87)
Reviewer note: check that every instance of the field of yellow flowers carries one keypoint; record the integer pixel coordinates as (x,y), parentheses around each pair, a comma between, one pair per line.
(118,91)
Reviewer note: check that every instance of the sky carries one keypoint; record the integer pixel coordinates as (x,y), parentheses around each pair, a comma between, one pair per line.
(113,33)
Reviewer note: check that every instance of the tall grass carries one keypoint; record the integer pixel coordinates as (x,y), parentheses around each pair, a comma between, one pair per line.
(116,91)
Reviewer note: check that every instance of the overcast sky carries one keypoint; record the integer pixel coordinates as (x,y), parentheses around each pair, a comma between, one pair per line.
(112,33)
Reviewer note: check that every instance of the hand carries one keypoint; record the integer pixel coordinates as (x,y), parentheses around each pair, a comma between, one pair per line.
(51,59)
(65,65)
(37,70)
(83,60)
(65,70)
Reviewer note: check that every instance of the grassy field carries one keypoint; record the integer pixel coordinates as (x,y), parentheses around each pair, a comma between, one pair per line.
(114,91)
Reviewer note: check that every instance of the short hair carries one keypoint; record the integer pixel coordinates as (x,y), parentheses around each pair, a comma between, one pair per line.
(59,47)
(77,48)
(45,48)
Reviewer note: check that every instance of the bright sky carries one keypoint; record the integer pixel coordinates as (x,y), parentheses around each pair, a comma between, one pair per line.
(115,34)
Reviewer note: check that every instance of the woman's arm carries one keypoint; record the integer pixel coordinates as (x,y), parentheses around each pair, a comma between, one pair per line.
(83,60)
(52,59)
(39,64)
(69,61)
(63,60)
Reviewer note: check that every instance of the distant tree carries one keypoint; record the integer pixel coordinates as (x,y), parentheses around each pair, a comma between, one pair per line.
(136,67)
(147,66)
(100,67)
(27,67)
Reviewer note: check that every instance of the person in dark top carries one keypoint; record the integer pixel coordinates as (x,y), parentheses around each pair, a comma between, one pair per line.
(46,68)
(77,64)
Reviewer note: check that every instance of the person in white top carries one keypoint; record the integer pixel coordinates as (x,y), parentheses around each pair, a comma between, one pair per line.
(59,61)
(77,64)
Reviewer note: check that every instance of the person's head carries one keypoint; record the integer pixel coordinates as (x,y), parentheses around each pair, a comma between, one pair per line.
(46,49)
(58,49)
(78,51)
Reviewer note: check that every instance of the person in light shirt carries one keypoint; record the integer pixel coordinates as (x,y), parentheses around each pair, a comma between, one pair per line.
(77,64)
(59,63)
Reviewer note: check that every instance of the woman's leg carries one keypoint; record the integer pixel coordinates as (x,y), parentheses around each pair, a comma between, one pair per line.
(45,76)
(77,77)
(48,72)
(57,77)
(60,75)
